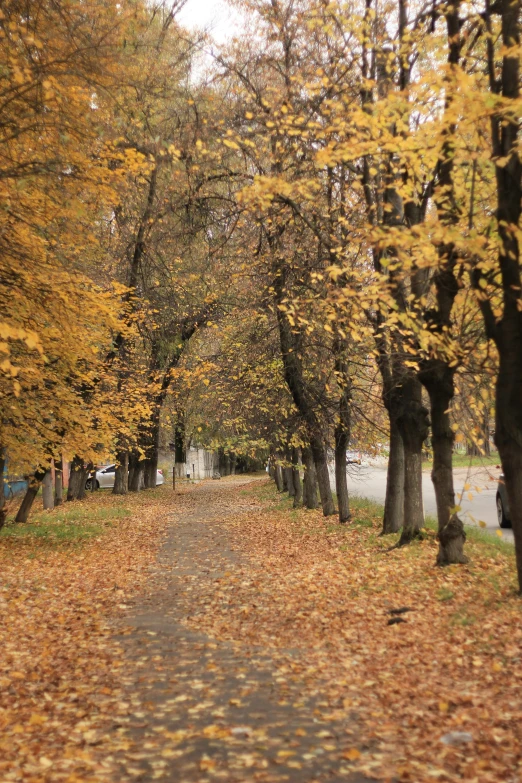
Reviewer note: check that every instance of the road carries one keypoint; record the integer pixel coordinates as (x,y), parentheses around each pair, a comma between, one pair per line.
(477,503)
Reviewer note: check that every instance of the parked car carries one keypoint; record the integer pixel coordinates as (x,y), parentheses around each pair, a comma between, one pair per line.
(353,458)
(503,513)
(105,478)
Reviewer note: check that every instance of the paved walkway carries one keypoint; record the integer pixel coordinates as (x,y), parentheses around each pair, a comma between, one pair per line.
(202,709)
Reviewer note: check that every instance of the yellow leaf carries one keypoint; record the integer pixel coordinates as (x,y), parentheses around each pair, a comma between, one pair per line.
(37,719)
(352,755)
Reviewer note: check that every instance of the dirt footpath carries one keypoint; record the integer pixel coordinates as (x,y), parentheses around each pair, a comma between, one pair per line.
(199,708)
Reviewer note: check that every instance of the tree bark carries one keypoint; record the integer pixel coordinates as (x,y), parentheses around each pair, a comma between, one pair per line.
(342,440)
(298,487)
(309,480)
(121,476)
(295,379)
(288,474)
(58,484)
(279,478)
(135,481)
(322,473)
(151,463)
(438,378)
(413,426)
(27,503)
(394,502)
(47,491)
(76,478)
(31,492)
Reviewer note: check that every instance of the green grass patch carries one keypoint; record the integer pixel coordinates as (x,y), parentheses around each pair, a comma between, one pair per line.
(445,595)
(465,461)
(64,525)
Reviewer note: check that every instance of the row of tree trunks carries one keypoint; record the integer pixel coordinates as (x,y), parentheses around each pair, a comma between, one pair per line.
(53,496)
(287,476)
(291,350)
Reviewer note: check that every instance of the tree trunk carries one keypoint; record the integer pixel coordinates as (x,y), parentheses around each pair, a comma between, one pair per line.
(394,502)
(26,505)
(323,476)
(58,484)
(438,378)
(82,489)
(309,480)
(135,480)
(31,492)
(413,426)
(279,478)
(284,475)
(76,476)
(296,476)
(289,474)
(233,463)
(47,491)
(304,402)
(121,476)
(508,426)
(341,480)
(133,462)
(151,463)
(180,456)
(289,481)
(342,440)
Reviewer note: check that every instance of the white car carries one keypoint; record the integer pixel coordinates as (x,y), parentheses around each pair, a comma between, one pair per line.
(105,478)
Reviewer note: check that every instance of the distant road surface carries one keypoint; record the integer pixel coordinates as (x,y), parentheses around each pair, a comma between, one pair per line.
(369,481)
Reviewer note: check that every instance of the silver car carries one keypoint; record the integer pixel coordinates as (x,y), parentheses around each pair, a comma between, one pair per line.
(105,478)
(503,513)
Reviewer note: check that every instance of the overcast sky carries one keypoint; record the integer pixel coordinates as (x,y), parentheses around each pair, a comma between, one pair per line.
(212,14)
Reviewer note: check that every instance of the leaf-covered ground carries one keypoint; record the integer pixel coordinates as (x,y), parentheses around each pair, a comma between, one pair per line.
(453,666)
(256,648)
(63,578)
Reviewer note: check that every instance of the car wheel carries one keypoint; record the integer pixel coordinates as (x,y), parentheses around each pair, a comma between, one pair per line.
(503,521)
(88,485)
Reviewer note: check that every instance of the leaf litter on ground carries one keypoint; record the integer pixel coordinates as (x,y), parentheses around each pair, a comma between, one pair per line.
(303,584)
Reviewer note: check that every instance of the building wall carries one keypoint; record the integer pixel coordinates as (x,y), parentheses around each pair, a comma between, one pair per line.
(200,463)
